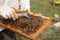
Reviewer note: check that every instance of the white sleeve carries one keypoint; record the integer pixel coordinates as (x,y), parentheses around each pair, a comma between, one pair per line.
(2,2)
(25,4)
(13,3)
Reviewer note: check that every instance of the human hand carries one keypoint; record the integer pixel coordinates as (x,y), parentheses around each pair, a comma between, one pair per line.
(7,12)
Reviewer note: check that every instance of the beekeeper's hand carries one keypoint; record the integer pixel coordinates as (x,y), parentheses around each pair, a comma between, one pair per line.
(7,12)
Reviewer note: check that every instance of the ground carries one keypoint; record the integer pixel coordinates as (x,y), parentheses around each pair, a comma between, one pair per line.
(47,8)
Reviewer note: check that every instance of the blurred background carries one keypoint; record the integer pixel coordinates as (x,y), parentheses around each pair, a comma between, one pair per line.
(47,8)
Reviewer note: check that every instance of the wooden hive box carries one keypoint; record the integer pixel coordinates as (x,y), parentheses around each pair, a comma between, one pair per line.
(33,35)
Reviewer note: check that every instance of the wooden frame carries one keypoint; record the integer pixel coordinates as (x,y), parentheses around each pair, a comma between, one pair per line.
(35,35)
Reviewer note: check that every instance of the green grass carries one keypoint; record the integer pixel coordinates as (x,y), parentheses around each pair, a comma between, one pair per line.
(47,8)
